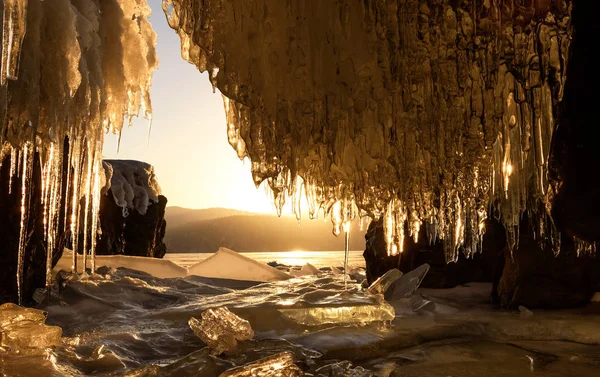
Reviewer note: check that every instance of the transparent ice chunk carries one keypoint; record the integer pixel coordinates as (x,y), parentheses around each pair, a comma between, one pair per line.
(278,365)
(340,313)
(220,329)
(23,329)
(11,313)
(382,284)
(407,284)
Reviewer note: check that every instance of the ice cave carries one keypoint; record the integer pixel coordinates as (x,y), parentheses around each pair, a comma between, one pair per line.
(460,133)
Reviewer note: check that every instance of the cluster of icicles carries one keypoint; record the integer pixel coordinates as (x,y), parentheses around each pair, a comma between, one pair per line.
(431,115)
(71,71)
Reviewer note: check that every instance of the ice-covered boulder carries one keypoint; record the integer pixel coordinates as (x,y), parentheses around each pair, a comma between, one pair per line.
(227,264)
(132,211)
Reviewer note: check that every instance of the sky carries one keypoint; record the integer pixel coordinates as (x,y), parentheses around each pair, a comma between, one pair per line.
(195,165)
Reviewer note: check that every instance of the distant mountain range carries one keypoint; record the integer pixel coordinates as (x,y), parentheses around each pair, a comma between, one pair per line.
(205,230)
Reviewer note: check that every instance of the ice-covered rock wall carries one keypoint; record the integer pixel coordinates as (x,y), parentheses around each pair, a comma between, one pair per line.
(75,68)
(423,112)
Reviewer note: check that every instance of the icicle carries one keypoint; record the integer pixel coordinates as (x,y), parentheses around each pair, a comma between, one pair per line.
(86,211)
(346,251)
(297,197)
(13,167)
(14,26)
(76,165)
(337,218)
(95,209)
(25,180)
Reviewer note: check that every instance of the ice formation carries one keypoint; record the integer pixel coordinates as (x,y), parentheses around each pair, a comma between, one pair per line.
(277,365)
(430,114)
(326,305)
(382,284)
(133,185)
(220,329)
(159,268)
(23,330)
(71,70)
(407,284)
(227,264)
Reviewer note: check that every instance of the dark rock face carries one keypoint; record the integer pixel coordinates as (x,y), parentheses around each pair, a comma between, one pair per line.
(34,267)
(575,156)
(532,276)
(136,234)
(535,278)
(441,274)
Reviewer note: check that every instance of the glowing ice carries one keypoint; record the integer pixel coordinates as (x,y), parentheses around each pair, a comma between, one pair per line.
(23,329)
(278,365)
(220,329)
(331,307)
(382,284)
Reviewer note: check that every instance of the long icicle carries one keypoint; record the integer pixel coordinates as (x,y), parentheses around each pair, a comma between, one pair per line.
(346,252)
(25,174)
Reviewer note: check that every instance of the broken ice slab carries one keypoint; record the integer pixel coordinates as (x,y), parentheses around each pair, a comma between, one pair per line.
(336,271)
(12,313)
(340,313)
(239,267)
(382,284)
(220,329)
(306,270)
(159,268)
(23,329)
(407,284)
(278,365)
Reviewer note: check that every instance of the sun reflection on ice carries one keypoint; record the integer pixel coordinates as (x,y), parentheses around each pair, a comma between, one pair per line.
(295,258)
